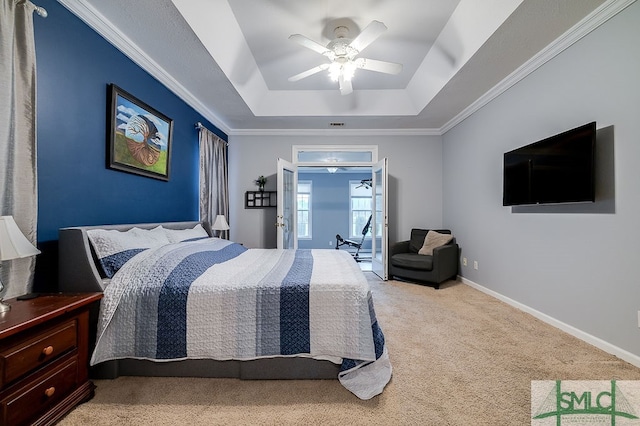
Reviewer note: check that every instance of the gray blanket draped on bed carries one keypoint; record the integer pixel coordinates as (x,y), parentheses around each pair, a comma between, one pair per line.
(211,298)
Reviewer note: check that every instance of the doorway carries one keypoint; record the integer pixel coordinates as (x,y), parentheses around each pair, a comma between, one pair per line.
(323,193)
(335,202)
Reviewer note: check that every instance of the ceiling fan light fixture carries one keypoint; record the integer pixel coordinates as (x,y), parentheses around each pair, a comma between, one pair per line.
(342,52)
(348,69)
(344,69)
(335,69)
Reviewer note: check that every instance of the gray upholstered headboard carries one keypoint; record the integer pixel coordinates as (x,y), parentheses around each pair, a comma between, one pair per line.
(77,269)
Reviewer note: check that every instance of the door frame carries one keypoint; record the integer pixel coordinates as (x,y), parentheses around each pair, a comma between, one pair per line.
(379,263)
(286,216)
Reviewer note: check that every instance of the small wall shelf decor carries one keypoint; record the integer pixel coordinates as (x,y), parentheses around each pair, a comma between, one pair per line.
(261,182)
(260,199)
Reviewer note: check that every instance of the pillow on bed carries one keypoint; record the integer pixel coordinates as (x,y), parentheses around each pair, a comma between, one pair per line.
(114,248)
(178,235)
(155,235)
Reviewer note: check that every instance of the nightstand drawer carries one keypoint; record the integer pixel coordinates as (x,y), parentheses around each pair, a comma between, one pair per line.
(40,394)
(30,354)
(44,358)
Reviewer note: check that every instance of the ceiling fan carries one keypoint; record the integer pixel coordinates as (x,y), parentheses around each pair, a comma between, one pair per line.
(342,52)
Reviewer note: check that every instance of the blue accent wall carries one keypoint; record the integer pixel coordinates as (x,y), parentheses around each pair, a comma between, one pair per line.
(330,208)
(75,66)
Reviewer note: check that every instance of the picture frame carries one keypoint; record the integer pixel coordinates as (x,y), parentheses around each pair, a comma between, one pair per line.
(139,136)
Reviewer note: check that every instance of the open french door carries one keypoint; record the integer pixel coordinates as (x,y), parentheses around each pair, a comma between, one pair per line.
(286,221)
(379,240)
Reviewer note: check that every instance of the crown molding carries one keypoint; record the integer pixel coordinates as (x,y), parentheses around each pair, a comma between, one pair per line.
(592,21)
(109,32)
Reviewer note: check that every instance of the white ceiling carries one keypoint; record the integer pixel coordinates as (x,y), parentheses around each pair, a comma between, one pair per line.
(230,59)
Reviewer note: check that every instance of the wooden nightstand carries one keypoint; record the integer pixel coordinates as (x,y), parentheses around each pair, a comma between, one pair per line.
(44,358)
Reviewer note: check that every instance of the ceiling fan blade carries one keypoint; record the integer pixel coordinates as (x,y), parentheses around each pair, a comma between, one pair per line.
(308,43)
(378,66)
(368,35)
(309,72)
(345,86)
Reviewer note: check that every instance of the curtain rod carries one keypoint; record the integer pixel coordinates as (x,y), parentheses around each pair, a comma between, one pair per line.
(41,11)
(200,126)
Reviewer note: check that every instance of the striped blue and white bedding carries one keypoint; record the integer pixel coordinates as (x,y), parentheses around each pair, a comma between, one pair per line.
(214,299)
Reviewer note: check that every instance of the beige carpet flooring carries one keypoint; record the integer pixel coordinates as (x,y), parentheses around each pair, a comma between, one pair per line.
(459,357)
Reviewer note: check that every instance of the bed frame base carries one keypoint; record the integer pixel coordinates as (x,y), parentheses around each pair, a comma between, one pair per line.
(259,369)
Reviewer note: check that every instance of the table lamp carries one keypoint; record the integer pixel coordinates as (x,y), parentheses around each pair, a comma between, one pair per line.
(220,225)
(13,245)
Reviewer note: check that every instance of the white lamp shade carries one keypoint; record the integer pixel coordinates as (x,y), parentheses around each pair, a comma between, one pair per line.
(220,223)
(13,243)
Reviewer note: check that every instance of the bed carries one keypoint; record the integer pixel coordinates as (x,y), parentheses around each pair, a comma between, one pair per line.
(179,302)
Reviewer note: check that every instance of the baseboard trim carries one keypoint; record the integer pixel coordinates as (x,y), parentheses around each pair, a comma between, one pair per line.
(586,337)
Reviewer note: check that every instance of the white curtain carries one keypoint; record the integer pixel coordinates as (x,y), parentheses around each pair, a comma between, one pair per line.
(18,176)
(214,191)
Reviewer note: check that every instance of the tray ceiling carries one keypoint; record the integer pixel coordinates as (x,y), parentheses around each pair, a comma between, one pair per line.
(231,59)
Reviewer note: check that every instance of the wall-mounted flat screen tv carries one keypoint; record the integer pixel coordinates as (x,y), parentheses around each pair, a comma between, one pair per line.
(558,169)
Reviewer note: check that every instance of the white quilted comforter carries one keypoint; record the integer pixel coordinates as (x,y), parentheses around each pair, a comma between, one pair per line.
(214,299)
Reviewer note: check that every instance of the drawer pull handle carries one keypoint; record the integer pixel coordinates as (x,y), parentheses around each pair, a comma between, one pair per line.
(47,351)
(50,391)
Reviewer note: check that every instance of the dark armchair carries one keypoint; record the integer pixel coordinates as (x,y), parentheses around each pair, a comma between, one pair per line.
(405,262)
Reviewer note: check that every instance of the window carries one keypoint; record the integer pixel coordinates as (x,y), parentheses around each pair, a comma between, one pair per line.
(304,209)
(360,207)
(353,155)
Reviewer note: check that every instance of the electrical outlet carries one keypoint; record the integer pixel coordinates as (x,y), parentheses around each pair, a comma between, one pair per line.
(330,242)
(475,265)
(464,261)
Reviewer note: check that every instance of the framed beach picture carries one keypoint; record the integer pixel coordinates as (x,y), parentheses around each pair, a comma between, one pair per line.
(139,136)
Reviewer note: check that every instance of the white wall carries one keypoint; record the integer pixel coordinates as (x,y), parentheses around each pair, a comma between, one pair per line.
(415,180)
(579,268)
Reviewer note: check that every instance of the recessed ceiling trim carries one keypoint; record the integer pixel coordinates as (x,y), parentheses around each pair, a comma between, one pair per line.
(109,32)
(226,43)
